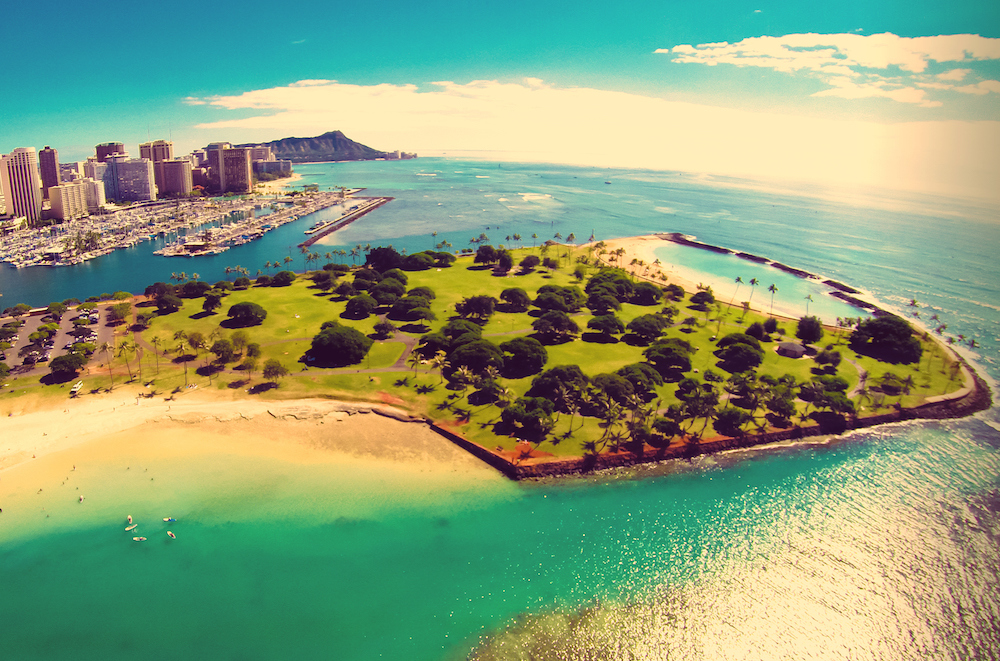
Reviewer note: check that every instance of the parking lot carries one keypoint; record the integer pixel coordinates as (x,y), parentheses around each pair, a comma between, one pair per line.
(25,358)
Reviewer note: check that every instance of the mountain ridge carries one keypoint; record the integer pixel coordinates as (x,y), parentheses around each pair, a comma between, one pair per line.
(331,146)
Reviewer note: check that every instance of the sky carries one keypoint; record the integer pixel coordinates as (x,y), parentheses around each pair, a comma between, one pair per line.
(904,95)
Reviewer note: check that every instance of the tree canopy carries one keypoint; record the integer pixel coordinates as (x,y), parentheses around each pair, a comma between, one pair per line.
(523,356)
(888,338)
(337,345)
(247,314)
(809,329)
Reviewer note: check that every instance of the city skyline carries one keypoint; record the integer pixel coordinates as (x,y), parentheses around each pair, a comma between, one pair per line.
(901,95)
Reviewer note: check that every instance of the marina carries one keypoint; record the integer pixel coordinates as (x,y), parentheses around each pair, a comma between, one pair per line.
(192,227)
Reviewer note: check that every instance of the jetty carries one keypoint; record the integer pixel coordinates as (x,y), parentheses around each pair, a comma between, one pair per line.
(365,205)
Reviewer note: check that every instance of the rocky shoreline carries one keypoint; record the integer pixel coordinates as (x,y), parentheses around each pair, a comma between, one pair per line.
(962,403)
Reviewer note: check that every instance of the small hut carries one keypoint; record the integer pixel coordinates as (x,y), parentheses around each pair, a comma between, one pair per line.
(791,350)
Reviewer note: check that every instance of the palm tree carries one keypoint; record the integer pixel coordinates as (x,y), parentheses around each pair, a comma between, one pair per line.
(464,376)
(440,363)
(124,348)
(534,238)
(107,348)
(809,299)
(414,360)
(753,283)
(738,281)
(156,351)
(774,290)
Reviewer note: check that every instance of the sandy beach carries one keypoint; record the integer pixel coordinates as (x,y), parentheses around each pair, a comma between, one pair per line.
(644,248)
(45,452)
(280,185)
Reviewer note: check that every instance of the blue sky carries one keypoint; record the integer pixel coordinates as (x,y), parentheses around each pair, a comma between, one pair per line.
(796,89)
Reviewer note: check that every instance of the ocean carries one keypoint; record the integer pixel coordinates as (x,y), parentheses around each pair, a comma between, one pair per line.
(881,544)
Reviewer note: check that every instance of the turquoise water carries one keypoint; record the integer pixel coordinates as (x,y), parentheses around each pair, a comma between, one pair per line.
(881,545)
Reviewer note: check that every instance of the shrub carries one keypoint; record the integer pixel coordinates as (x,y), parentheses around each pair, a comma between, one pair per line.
(756,331)
(809,329)
(396,274)
(247,314)
(418,262)
(282,279)
(530,262)
(360,306)
(168,303)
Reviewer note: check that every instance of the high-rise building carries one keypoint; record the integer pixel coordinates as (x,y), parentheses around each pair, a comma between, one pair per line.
(70,171)
(261,153)
(48,168)
(129,179)
(280,168)
(157,151)
(199,158)
(95,194)
(213,160)
(107,149)
(69,201)
(237,173)
(94,169)
(176,178)
(19,182)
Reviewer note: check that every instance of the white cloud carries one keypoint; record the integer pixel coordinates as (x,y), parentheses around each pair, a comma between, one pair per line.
(535,121)
(833,56)
(954,74)
(983,87)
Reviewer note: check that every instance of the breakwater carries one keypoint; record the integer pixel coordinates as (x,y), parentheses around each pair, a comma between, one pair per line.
(841,291)
(369,204)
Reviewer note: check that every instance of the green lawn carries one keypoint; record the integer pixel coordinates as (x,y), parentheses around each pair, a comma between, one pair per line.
(295,314)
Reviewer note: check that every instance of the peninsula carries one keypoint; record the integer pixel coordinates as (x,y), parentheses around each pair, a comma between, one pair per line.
(540,361)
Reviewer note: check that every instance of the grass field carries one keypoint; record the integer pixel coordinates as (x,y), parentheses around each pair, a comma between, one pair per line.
(295,314)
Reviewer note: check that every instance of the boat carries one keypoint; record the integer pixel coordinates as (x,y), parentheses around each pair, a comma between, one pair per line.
(138,539)
(171,535)
(169,519)
(129,517)
(132,527)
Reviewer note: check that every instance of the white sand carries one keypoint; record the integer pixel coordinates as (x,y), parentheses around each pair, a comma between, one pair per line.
(280,185)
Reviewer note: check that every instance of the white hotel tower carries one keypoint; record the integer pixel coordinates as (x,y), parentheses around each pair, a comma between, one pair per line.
(22,189)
